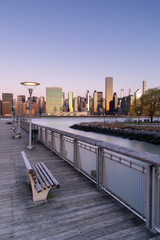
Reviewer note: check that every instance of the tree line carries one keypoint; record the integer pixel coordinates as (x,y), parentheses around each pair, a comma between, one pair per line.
(148,104)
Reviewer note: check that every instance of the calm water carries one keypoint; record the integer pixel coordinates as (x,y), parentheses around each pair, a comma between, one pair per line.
(65,123)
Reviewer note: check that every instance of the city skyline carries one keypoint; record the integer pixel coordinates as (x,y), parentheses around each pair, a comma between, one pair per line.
(76,44)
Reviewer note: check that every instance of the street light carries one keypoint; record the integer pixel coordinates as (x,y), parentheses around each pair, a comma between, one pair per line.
(138,117)
(30,86)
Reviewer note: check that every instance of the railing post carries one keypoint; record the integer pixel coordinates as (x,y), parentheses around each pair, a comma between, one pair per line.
(46,137)
(40,133)
(99,167)
(155,196)
(52,140)
(75,142)
(61,145)
(148,196)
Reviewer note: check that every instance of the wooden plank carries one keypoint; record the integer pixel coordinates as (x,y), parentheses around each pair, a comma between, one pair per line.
(27,163)
(55,182)
(39,177)
(45,174)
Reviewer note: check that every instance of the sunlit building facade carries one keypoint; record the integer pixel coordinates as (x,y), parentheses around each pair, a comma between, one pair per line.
(7,103)
(53,100)
(108,91)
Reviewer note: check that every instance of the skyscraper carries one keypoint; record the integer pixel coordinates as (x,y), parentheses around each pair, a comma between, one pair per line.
(122,93)
(53,100)
(144,87)
(95,102)
(87,100)
(7,102)
(137,94)
(108,91)
(70,99)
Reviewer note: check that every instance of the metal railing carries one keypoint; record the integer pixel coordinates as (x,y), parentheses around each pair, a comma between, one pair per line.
(130,176)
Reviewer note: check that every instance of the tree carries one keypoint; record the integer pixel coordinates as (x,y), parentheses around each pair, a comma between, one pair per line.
(149,102)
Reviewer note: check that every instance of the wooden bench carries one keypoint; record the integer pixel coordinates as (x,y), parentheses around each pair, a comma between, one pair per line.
(41,179)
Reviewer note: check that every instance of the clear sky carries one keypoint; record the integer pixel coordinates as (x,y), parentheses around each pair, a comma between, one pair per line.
(75,44)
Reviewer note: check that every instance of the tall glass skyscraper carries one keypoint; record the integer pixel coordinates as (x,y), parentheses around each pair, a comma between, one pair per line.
(108,91)
(53,100)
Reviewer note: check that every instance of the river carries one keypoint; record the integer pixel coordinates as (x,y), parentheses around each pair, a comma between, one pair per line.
(65,123)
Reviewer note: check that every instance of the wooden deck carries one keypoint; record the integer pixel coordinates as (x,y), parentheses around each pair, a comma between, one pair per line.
(78,210)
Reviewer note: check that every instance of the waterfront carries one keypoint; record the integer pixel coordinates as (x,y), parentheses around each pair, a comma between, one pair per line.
(65,123)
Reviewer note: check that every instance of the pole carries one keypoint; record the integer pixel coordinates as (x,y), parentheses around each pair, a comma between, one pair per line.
(19,117)
(30,120)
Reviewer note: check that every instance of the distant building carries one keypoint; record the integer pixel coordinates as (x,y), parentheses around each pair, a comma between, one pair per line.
(95,102)
(7,103)
(41,105)
(63,98)
(124,106)
(137,94)
(21,98)
(53,100)
(122,93)
(108,91)
(70,99)
(87,100)
(75,107)
(130,103)
(144,87)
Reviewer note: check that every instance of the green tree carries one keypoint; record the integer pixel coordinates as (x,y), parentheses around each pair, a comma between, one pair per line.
(149,102)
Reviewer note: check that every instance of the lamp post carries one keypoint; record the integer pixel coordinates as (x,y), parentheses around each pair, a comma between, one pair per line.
(19,117)
(30,86)
(138,117)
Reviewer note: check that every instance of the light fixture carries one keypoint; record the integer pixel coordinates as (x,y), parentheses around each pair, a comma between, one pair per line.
(30,86)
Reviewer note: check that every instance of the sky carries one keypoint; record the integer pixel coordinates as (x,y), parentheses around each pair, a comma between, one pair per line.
(75,44)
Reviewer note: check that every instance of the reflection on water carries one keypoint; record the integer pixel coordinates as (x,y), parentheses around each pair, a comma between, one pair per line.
(65,123)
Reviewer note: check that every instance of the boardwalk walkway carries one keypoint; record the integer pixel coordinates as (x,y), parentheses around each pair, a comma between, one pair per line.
(75,211)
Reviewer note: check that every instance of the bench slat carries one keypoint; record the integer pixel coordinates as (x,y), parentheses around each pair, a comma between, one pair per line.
(42,175)
(39,177)
(27,163)
(50,175)
(38,187)
(45,174)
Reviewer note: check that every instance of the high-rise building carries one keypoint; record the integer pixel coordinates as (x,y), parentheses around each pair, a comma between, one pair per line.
(21,98)
(144,87)
(108,91)
(75,108)
(41,105)
(70,99)
(53,100)
(7,103)
(122,93)
(137,94)
(87,100)
(63,98)
(95,102)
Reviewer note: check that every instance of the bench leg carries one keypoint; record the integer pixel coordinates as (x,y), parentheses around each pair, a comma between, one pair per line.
(41,196)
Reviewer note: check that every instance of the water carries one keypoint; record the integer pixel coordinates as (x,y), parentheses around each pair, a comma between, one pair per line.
(65,123)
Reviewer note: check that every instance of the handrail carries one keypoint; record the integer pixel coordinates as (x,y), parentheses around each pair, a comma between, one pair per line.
(150,158)
(114,168)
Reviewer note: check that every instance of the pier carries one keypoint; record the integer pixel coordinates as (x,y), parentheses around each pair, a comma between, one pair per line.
(81,209)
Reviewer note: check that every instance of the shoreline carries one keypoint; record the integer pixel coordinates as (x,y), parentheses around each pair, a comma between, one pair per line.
(150,134)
